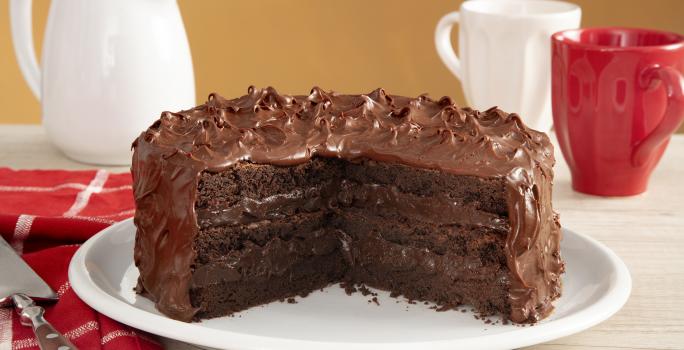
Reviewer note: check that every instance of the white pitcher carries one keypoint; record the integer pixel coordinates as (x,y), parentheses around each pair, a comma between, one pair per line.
(505,53)
(109,68)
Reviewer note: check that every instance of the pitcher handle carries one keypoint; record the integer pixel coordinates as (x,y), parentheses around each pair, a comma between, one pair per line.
(674,112)
(443,43)
(22,38)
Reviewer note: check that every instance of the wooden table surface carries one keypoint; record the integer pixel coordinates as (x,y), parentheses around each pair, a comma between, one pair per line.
(646,231)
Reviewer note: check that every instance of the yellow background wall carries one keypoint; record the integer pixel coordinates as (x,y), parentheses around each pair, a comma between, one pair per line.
(345,45)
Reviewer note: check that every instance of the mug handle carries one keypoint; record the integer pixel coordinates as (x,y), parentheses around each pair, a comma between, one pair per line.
(674,112)
(443,43)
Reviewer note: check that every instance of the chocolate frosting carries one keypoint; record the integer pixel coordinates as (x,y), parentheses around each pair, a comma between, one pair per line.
(269,128)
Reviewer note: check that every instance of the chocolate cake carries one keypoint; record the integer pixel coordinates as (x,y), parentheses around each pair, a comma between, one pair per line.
(260,198)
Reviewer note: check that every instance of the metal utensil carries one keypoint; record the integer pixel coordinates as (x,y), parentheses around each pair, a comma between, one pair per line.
(20,285)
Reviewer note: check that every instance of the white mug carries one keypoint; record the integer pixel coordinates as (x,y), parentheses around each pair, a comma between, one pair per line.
(109,69)
(505,53)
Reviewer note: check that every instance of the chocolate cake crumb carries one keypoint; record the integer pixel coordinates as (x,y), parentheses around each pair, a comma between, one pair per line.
(443,308)
(349,288)
(364,290)
(291,301)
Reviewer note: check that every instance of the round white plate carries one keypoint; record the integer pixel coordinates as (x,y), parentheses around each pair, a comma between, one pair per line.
(595,286)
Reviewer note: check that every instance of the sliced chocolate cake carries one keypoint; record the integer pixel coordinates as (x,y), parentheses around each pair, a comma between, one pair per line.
(242,202)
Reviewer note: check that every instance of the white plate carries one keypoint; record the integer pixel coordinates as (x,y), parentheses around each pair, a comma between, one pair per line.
(596,285)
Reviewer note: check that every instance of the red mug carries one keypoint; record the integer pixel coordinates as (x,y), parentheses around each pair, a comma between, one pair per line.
(617,97)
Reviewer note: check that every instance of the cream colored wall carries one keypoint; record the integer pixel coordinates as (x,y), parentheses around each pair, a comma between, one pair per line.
(348,46)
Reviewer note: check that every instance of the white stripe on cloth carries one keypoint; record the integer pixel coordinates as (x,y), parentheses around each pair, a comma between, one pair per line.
(75,186)
(6,328)
(71,335)
(93,219)
(123,333)
(63,289)
(70,185)
(104,218)
(82,198)
(116,334)
(21,232)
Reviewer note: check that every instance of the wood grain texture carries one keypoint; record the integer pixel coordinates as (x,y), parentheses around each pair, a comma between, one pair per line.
(646,231)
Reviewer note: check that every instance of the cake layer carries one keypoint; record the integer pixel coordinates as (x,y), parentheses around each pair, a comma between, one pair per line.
(248,182)
(302,277)
(469,268)
(273,257)
(215,243)
(257,181)
(467,249)
(218,243)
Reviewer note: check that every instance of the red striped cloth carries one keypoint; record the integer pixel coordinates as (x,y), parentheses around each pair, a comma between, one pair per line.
(45,215)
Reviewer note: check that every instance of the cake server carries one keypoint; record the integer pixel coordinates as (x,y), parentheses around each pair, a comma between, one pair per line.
(20,285)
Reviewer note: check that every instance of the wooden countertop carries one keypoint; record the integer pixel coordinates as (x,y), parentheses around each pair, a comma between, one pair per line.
(646,231)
